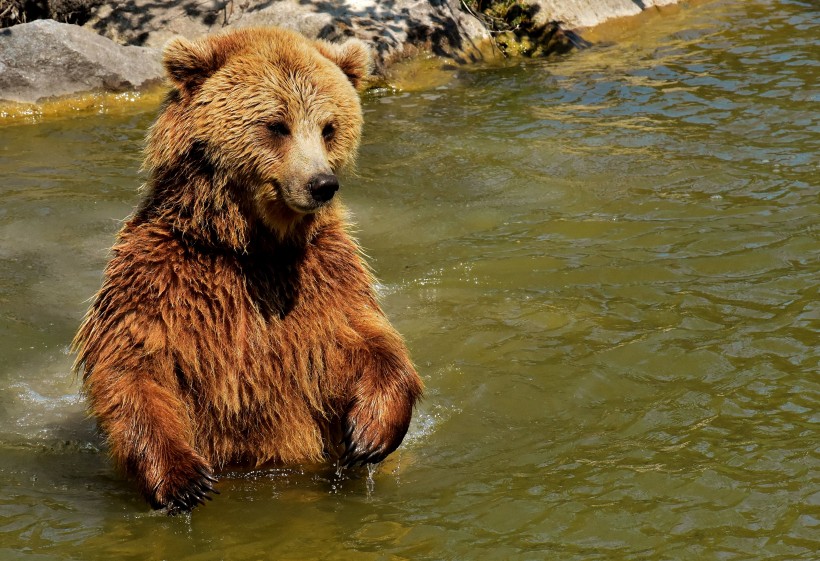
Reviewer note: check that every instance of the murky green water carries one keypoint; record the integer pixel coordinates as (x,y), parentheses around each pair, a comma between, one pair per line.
(606,268)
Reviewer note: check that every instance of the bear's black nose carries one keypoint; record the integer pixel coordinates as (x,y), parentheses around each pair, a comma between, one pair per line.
(323,187)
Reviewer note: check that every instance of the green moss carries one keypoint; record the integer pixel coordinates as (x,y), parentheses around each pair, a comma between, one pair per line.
(516,33)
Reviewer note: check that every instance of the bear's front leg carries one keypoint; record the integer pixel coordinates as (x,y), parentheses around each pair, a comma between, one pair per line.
(149,436)
(383,398)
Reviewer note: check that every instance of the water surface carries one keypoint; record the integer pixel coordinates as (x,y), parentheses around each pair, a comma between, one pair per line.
(605,265)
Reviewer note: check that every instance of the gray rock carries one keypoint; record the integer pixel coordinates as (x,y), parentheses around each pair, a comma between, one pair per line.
(395,28)
(46,59)
(589,13)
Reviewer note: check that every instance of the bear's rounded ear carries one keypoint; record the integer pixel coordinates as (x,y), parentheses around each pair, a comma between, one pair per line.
(190,63)
(352,56)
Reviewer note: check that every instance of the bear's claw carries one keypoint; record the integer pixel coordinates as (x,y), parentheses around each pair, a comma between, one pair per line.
(358,452)
(195,493)
(348,434)
(374,427)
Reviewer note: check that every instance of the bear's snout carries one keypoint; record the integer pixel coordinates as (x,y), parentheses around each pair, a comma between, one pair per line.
(323,186)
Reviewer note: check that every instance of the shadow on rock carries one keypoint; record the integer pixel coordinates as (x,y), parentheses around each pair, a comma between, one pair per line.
(77,12)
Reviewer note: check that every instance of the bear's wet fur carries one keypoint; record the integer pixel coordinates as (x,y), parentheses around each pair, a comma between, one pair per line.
(237,323)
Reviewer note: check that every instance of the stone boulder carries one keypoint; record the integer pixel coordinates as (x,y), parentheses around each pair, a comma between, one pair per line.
(579,14)
(394,28)
(45,59)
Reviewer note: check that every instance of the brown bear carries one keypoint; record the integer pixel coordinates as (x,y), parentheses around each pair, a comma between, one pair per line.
(237,324)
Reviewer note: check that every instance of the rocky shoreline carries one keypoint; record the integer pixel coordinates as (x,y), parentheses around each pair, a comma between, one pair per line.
(116,46)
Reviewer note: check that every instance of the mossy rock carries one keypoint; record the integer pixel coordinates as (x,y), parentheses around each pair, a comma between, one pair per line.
(512,24)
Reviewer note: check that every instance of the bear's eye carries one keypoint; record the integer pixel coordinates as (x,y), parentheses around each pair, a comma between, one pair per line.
(328,132)
(279,129)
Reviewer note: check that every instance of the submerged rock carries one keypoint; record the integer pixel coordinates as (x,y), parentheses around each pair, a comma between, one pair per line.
(46,59)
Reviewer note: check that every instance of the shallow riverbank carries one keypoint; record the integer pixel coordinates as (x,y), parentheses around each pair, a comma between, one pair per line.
(115,47)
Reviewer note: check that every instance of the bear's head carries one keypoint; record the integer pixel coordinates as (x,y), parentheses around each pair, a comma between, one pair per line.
(262,119)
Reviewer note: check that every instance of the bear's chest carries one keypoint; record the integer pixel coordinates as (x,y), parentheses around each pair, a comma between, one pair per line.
(262,332)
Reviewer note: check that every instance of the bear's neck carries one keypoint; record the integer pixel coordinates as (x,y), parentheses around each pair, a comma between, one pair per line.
(205,210)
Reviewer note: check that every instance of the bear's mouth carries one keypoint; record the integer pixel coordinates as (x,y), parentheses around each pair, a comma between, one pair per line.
(276,199)
(307,198)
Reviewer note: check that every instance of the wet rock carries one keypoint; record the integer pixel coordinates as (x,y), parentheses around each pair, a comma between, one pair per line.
(517,31)
(46,59)
(534,28)
(577,14)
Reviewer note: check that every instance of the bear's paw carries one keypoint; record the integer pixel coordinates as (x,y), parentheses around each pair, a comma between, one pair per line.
(374,428)
(185,486)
